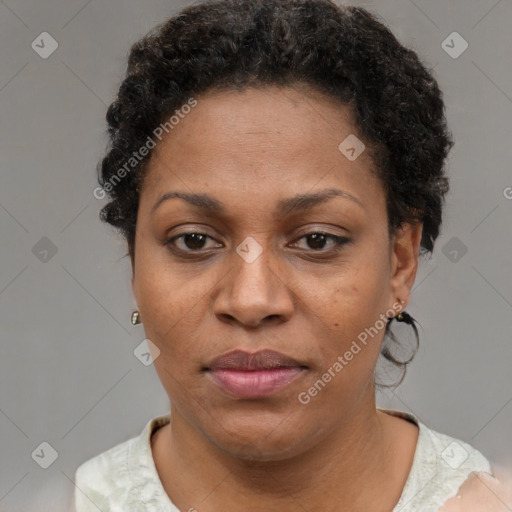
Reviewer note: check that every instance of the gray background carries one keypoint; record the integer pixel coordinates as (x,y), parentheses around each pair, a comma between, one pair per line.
(69,376)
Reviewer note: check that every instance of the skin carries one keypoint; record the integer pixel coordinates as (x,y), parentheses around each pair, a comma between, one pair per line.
(249,150)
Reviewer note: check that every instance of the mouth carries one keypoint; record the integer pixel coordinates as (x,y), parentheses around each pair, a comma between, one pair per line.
(254,375)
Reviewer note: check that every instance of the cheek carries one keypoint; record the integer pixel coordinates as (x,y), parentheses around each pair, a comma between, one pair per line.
(161,291)
(175,309)
(354,298)
(350,308)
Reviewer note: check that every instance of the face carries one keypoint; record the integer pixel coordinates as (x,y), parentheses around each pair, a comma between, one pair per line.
(252,266)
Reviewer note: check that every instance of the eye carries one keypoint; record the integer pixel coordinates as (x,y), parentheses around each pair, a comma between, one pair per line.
(195,242)
(317,240)
(191,242)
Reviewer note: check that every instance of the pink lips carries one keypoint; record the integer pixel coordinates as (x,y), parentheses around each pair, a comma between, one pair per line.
(254,375)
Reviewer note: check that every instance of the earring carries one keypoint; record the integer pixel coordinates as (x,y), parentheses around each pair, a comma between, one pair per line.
(405,317)
(135,318)
(400,317)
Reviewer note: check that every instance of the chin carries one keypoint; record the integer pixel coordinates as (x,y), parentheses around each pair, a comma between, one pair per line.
(259,450)
(263,439)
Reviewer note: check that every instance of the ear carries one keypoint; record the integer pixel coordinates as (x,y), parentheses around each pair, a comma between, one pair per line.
(405,247)
(133,284)
(134,290)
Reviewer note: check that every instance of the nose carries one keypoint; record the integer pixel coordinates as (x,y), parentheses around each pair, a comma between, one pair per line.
(253,293)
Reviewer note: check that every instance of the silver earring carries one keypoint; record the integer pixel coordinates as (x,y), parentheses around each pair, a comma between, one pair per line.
(135,318)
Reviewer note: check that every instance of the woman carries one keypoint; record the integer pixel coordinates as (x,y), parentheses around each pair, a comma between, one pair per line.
(276,168)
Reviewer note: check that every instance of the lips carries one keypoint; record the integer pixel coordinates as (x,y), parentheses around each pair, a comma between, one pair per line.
(245,361)
(254,375)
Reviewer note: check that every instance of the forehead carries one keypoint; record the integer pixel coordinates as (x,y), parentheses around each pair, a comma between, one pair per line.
(261,143)
(270,116)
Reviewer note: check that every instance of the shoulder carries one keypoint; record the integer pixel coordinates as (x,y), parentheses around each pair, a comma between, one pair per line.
(120,478)
(104,478)
(454,455)
(445,463)
(440,466)
(482,491)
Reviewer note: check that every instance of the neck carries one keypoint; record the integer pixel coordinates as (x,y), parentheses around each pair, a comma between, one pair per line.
(349,469)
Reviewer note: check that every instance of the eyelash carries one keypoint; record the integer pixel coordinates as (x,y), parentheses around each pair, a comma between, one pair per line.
(339,242)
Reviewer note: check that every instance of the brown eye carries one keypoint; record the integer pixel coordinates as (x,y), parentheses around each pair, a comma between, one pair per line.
(190,242)
(317,241)
(194,240)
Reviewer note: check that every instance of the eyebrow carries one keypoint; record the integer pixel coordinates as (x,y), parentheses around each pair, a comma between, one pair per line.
(298,203)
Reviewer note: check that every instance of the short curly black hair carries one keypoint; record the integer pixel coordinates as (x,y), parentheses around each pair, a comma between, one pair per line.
(345,52)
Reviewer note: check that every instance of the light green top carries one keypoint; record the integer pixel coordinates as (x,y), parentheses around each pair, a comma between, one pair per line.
(124,478)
